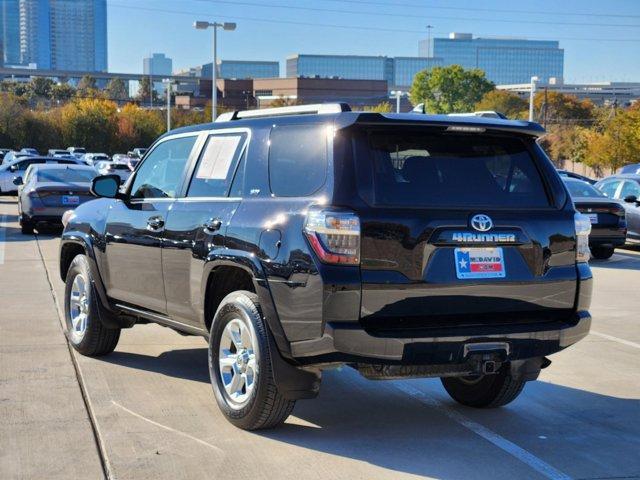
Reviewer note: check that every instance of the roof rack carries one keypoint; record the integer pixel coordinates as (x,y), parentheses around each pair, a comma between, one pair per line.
(318,108)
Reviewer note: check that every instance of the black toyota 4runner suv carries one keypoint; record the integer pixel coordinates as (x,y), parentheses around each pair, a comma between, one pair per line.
(299,239)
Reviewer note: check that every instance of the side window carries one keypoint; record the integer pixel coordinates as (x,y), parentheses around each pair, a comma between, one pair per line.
(609,188)
(630,188)
(216,166)
(297,159)
(160,175)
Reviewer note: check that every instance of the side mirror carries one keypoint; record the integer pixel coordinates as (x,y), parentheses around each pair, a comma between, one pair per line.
(631,199)
(18,181)
(106,186)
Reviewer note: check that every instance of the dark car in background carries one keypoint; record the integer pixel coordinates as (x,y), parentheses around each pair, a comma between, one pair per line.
(625,187)
(577,176)
(47,191)
(309,237)
(607,217)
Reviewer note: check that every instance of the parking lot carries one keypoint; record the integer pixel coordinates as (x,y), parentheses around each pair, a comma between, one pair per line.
(147,410)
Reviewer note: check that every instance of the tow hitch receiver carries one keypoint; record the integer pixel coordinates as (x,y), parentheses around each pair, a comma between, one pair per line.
(488,357)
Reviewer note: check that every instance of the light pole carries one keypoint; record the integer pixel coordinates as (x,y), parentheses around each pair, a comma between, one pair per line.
(203,25)
(398,94)
(532,94)
(167,82)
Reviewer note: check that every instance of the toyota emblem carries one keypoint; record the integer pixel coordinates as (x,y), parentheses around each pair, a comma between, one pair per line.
(481,222)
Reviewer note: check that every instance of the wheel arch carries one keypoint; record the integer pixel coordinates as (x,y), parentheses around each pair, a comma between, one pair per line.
(243,270)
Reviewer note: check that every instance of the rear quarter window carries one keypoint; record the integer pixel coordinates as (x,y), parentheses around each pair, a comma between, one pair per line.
(436,169)
(297,159)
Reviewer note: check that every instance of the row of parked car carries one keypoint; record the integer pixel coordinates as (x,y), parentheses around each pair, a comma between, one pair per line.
(612,206)
(49,185)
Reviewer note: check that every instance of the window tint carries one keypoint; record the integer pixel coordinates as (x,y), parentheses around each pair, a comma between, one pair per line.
(630,188)
(64,175)
(217,164)
(609,188)
(160,175)
(25,163)
(297,159)
(420,168)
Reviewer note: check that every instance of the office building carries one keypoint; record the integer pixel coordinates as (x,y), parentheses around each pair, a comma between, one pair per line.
(157,64)
(243,69)
(397,72)
(604,93)
(9,32)
(504,60)
(54,34)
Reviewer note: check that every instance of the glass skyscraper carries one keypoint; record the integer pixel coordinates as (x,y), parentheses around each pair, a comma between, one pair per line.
(504,61)
(353,67)
(241,69)
(55,34)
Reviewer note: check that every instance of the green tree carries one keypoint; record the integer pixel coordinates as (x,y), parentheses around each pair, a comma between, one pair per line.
(62,92)
(11,120)
(504,102)
(145,91)
(41,87)
(449,89)
(116,89)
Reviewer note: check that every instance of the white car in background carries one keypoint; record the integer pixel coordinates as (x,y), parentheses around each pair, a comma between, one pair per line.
(93,158)
(123,170)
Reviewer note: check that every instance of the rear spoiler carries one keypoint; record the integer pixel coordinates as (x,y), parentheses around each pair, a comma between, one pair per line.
(468,124)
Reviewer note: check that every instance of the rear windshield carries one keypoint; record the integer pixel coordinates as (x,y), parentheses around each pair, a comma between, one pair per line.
(578,188)
(423,168)
(65,175)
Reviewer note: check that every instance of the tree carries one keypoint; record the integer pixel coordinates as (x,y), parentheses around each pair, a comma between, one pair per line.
(382,107)
(504,102)
(87,82)
(283,102)
(116,89)
(145,90)
(41,87)
(62,92)
(561,107)
(617,143)
(449,89)
(138,126)
(11,120)
(91,123)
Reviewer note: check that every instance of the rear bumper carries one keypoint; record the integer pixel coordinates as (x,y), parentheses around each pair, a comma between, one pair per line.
(46,218)
(349,343)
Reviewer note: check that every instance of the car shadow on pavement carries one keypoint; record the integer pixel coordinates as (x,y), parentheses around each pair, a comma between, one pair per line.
(379,424)
(620,261)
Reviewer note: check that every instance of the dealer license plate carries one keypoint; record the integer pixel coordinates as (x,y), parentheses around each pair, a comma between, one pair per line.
(479,263)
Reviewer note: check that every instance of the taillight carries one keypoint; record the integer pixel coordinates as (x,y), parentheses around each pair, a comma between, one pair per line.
(583,229)
(334,236)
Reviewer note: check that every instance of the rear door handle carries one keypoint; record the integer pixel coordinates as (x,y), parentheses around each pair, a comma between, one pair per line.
(212,225)
(155,223)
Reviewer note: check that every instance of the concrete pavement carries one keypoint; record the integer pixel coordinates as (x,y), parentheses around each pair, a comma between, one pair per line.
(155,416)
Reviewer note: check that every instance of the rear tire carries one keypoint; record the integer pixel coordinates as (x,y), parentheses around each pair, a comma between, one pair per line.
(26,227)
(485,391)
(240,365)
(83,313)
(602,253)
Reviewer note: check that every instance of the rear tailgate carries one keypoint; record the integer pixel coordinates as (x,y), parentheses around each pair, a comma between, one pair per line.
(460,230)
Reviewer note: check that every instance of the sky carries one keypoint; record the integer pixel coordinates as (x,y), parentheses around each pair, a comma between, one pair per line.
(601,38)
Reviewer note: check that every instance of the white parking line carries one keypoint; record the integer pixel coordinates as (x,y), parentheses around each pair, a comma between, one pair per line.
(616,339)
(178,432)
(509,447)
(3,219)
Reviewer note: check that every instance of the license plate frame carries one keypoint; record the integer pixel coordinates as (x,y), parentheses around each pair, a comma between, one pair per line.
(70,200)
(473,263)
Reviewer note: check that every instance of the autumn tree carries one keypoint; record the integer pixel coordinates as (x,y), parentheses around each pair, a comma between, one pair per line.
(138,126)
(116,89)
(502,101)
(449,89)
(382,107)
(90,122)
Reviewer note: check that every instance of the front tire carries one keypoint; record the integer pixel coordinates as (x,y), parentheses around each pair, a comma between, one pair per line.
(26,227)
(240,365)
(484,391)
(602,253)
(83,312)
